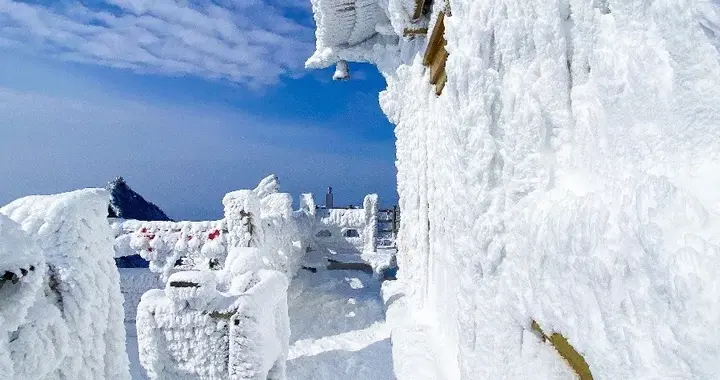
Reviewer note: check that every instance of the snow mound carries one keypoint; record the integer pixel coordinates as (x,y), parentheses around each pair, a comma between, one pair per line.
(73,328)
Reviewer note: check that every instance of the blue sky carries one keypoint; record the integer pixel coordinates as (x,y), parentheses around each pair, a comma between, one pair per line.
(185,99)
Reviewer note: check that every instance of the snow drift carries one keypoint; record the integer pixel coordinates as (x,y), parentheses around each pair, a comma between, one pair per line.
(61,315)
(565,175)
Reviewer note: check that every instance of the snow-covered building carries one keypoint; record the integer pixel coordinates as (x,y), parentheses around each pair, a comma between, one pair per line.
(348,230)
(61,310)
(557,170)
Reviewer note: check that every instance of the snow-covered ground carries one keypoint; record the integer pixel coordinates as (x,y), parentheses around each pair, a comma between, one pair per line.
(338,329)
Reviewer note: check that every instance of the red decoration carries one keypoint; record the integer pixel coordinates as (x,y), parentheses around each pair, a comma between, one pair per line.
(144,230)
(150,249)
(189,237)
(214,234)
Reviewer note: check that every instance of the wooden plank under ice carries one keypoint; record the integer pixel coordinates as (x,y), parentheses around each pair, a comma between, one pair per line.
(437,40)
(437,66)
(413,32)
(440,83)
(419,6)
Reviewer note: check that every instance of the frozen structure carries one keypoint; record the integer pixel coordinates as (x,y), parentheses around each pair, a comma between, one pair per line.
(557,170)
(223,311)
(348,230)
(232,324)
(61,315)
(261,218)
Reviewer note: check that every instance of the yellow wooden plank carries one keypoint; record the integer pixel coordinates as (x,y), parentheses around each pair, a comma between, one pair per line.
(440,84)
(574,359)
(414,32)
(437,39)
(419,6)
(437,66)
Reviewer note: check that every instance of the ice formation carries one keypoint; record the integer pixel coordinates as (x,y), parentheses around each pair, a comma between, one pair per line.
(565,175)
(61,315)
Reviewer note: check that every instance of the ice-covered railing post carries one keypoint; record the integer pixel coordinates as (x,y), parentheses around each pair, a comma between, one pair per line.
(370,206)
(61,312)
(240,208)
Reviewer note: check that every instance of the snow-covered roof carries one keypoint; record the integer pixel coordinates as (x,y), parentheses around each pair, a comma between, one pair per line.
(346,25)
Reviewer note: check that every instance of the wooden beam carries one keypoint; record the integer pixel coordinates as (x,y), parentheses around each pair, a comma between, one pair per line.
(437,39)
(436,55)
(419,6)
(567,352)
(413,32)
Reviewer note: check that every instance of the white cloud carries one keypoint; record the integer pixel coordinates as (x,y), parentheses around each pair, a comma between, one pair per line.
(253,42)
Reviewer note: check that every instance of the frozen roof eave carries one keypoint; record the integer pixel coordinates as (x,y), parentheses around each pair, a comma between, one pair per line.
(348,30)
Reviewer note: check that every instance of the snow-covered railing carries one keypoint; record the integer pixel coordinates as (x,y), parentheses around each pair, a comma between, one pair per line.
(61,314)
(228,324)
(262,218)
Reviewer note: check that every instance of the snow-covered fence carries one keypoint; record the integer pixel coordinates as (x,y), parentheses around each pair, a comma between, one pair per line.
(61,311)
(262,218)
(348,230)
(191,329)
(230,324)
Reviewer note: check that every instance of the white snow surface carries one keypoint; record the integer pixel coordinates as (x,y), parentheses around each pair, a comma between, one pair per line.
(68,310)
(134,282)
(338,328)
(567,174)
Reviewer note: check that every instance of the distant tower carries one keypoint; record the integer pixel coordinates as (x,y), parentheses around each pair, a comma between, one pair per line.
(329,198)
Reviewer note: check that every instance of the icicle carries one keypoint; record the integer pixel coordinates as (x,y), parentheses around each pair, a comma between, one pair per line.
(341,71)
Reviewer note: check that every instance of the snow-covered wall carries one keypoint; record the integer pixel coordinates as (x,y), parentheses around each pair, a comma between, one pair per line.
(64,318)
(567,174)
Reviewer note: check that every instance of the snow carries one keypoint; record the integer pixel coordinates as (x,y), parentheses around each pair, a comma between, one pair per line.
(334,228)
(338,329)
(134,282)
(67,311)
(343,24)
(566,175)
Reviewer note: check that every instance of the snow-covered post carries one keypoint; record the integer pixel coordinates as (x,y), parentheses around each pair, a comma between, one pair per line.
(370,206)
(260,330)
(74,330)
(242,207)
